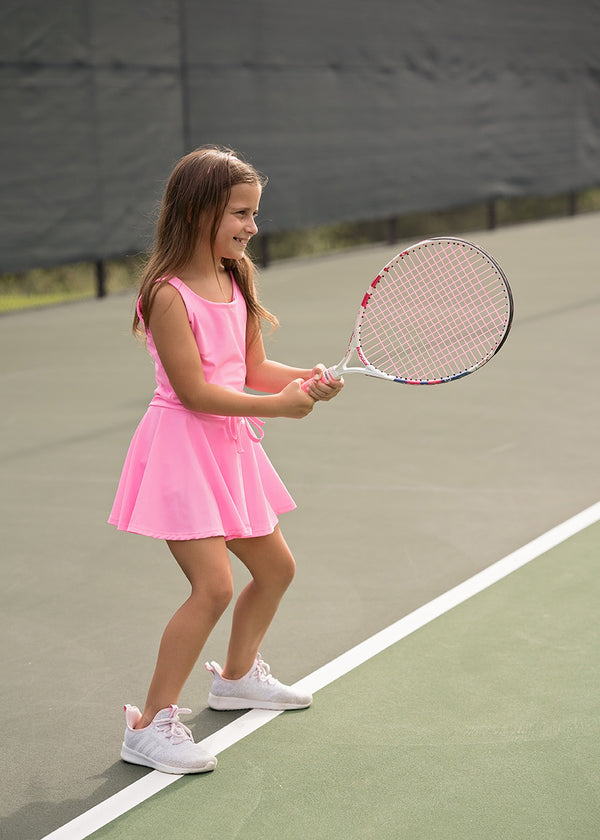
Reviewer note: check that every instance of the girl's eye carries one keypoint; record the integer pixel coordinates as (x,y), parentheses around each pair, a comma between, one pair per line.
(246,214)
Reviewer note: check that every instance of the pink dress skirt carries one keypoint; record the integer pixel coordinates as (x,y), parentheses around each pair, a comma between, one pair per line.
(189,475)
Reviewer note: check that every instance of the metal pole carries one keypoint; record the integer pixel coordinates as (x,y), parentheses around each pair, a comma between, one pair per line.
(265,257)
(100,279)
(392,230)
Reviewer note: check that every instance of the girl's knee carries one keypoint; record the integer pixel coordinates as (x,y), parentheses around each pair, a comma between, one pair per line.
(290,569)
(223,596)
(283,571)
(268,559)
(215,598)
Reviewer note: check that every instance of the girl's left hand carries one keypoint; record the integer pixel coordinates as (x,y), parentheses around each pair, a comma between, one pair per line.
(321,388)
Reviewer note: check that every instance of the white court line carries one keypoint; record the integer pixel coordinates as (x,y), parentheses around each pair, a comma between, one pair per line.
(107,811)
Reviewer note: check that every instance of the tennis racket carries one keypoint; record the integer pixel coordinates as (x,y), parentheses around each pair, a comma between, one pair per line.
(438,311)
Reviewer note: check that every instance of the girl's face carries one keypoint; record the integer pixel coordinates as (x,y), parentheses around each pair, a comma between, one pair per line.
(238,224)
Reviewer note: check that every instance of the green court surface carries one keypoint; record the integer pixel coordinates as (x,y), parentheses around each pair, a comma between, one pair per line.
(482,724)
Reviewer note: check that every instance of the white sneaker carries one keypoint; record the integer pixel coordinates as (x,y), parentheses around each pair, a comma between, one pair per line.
(257,690)
(165,744)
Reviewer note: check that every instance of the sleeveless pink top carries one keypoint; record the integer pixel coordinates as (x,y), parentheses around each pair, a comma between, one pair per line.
(220,333)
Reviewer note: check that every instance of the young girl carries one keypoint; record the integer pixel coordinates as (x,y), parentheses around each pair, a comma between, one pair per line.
(196,474)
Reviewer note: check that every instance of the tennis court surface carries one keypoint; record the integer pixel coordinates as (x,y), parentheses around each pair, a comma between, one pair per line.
(482,721)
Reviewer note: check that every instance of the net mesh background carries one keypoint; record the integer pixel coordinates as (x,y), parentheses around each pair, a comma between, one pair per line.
(369,111)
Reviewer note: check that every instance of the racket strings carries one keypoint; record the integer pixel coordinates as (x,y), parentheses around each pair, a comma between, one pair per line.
(464,303)
(446,341)
(436,311)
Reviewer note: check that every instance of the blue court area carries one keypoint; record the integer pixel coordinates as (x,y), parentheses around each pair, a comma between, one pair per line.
(483,723)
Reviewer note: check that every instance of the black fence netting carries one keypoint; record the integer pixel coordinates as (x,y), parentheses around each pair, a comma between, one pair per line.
(355,111)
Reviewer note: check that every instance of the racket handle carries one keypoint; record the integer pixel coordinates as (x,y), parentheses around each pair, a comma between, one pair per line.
(328,375)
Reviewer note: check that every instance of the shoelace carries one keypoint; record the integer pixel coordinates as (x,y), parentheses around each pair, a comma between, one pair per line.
(173,728)
(262,671)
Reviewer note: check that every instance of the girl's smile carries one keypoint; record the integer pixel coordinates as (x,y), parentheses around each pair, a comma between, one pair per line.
(238,224)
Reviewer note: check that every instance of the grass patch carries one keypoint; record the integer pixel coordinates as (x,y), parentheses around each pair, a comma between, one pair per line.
(47,286)
(16,302)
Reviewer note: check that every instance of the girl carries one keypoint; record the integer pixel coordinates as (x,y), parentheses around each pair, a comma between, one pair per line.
(196,474)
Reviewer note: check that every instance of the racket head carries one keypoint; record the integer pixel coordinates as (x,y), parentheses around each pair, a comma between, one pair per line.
(436,312)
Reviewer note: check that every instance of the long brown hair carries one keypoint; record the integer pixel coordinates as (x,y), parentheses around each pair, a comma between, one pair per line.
(197,194)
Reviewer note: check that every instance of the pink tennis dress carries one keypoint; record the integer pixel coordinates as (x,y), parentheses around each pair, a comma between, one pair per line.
(189,475)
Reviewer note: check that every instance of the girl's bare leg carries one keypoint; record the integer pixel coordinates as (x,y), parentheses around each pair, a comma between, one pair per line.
(272,566)
(206,565)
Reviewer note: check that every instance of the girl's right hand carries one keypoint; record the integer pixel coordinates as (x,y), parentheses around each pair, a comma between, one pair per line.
(295,402)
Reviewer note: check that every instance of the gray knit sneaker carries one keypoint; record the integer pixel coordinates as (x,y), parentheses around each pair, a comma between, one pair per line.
(165,744)
(257,690)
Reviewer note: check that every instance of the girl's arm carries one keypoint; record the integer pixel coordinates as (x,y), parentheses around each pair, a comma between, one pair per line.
(178,352)
(271,377)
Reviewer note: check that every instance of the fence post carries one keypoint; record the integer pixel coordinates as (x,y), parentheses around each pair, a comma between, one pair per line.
(100,279)
(265,257)
(391,227)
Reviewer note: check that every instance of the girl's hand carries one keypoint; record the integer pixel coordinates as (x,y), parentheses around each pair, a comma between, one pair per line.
(294,401)
(321,388)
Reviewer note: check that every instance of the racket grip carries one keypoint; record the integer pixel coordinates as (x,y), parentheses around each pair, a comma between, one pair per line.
(328,375)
